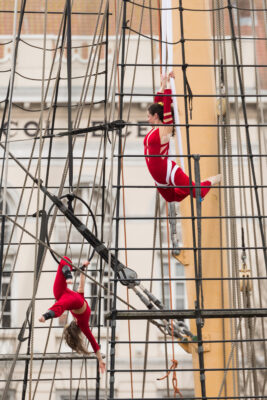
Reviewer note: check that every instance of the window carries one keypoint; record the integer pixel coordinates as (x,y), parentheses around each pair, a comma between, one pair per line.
(177,287)
(6,320)
(244,13)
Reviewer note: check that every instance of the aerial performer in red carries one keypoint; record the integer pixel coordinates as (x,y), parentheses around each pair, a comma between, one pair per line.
(75,302)
(166,173)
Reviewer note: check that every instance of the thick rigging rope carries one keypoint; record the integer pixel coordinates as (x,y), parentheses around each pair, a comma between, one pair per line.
(229,198)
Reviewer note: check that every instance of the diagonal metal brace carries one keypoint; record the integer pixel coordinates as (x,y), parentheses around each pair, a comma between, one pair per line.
(127,276)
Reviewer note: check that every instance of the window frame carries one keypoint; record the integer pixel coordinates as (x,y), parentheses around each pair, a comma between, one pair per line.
(176,279)
(244,20)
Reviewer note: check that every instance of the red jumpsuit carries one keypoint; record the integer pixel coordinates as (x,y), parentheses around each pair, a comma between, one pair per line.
(69,300)
(164,171)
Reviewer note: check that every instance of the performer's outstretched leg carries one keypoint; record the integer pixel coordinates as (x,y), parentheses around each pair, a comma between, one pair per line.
(179,178)
(63,274)
(168,193)
(178,194)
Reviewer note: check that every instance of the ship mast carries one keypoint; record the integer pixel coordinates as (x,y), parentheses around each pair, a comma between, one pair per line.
(204,141)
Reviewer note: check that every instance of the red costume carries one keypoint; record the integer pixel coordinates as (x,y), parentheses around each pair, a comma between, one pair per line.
(164,171)
(69,300)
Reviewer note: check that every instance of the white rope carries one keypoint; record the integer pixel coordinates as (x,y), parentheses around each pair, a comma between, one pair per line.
(167,59)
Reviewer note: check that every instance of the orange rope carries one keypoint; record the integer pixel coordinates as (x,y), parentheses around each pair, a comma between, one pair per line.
(174,378)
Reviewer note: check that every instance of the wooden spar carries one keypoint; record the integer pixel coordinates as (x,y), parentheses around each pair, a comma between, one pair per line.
(204,141)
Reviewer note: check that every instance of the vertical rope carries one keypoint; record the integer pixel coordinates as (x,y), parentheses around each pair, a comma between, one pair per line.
(157,210)
(197,305)
(160,38)
(219,78)
(226,148)
(38,249)
(109,349)
(103,194)
(199,256)
(127,289)
(163,296)
(174,361)
(114,303)
(70,151)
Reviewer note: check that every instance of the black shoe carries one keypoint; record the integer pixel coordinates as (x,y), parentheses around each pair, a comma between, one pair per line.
(67,272)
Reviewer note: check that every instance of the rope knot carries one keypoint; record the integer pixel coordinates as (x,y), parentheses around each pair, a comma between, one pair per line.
(174,378)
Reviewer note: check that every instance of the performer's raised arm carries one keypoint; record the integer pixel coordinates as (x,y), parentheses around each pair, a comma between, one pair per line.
(165,132)
(82,277)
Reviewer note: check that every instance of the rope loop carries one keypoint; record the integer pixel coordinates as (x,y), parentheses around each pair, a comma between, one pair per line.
(175,385)
(70,197)
(174,377)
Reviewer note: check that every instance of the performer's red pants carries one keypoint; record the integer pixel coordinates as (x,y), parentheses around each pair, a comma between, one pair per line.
(177,177)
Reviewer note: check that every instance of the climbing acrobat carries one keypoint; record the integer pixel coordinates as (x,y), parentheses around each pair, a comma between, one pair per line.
(74,302)
(166,173)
